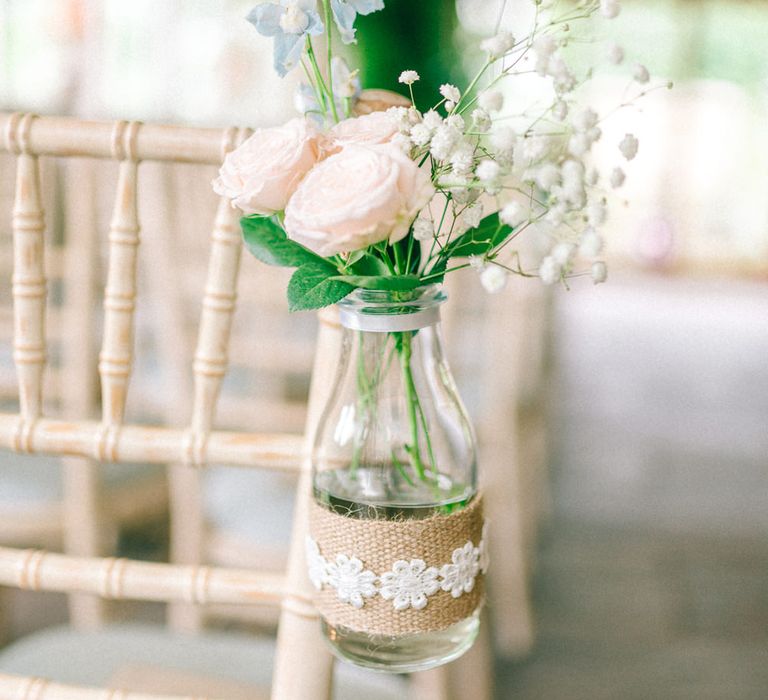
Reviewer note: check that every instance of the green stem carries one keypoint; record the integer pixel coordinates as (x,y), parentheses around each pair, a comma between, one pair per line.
(327,6)
(318,93)
(412,401)
(444,272)
(398,260)
(458,109)
(328,101)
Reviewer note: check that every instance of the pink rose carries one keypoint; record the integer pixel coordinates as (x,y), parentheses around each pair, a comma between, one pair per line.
(263,172)
(370,129)
(357,197)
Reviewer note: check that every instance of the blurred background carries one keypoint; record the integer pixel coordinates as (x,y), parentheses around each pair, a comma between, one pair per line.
(648,556)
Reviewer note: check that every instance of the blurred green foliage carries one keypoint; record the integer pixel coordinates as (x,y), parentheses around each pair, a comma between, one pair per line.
(415,35)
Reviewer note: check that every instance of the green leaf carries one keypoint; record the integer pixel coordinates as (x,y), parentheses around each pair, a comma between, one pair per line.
(386,282)
(269,243)
(354,256)
(314,285)
(481,240)
(368,264)
(489,234)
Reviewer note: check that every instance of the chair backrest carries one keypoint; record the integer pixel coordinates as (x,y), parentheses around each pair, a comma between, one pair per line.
(303,666)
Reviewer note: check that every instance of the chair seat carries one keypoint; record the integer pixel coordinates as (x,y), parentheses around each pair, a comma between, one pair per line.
(231,664)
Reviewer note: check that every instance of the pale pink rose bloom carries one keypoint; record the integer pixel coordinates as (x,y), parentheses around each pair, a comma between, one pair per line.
(357,197)
(370,129)
(263,172)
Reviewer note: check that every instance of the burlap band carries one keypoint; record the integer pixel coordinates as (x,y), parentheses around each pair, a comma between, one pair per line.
(379,544)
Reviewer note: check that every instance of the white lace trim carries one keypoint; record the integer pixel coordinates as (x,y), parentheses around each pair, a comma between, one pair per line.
(408,584)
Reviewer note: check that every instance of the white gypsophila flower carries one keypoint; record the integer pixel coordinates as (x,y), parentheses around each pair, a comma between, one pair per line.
(462,158)
(599,272)
(459,576)
(420,134)
(456,121)
(579,145)
(503,141)
(573,173)
(629,146)
(556,214)
(351,581)
(481,120)
(544,46)
(640,73)
(423,230)
(449,105)
(594,134)
(491,100)
(573,183)
(450,92)
(549,271)
(563,80)
(535,148)
(513,214)
(401,117)
(317,566)
(592,176)
(497,46)
(476,262)
(591,244)
(458,186)
(596,214)
(547,176)
(563,253)
(585,120)
(444,141)
(473,215)
(402,141)
(615,54)
(493,278)
(408,77)
(617,178)
(488,170)
(432,120)
(408,584)
(610,8)
(560,110)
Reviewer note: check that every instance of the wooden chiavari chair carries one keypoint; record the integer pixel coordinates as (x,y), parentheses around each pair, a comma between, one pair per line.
(302,666)
(61,502)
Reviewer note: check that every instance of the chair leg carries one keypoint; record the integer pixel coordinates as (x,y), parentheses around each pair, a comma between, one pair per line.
(5,618)
(509,571)
(430,685)
(187,538)
(470,677)
(502,437)
(83,531)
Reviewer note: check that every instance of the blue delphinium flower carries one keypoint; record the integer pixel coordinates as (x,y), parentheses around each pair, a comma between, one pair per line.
(345,11)
(346,86)
(289,22)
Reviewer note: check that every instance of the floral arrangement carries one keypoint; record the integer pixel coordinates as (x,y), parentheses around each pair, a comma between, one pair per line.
(379,196)
(394,200)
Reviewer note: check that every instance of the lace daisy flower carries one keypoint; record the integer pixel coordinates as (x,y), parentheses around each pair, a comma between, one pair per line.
(351,581)
(408,584)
